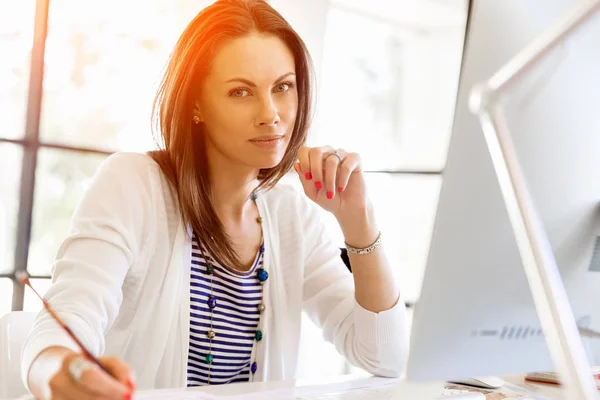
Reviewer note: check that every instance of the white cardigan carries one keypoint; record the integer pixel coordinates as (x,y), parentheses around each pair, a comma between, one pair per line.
(121,282)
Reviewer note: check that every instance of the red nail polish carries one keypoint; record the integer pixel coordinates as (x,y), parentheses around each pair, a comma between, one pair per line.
(329,195)
(340,189)
(308,176)
(319,185)
(130,384)
(127,396)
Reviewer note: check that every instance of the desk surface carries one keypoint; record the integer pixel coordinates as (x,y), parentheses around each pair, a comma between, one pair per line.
(553,392)
(550,391)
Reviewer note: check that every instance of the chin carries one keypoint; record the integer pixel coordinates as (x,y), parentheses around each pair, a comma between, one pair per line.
(263,161)
(266,159)
(270,163)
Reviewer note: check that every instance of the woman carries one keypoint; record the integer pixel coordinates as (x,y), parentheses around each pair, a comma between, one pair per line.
(190,264)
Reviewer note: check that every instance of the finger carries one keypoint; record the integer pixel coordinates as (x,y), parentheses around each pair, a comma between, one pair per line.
(302,167)
(316,165)
(330,166)
(94,381)
(63,387)
(304,161)
(349,165)
(119,370)
(98,382)
(307,185)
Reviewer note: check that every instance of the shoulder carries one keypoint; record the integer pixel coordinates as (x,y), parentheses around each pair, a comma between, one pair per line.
(128,169)
(127,175)
(128,162)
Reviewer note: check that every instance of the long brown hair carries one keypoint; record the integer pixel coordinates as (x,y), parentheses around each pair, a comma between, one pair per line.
(182,156)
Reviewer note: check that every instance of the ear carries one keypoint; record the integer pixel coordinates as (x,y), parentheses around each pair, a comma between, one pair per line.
(198,112)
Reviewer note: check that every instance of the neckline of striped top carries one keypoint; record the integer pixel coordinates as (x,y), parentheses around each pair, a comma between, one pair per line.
(197,253)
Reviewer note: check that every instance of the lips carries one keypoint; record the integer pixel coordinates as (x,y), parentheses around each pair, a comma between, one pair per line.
(267,138)
(268,142)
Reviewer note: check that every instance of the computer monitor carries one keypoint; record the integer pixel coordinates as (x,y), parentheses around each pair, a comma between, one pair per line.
(475,315)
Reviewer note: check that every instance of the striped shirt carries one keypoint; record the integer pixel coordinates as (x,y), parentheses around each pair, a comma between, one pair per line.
(235,321)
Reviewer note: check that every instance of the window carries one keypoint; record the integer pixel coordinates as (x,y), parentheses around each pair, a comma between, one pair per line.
(16,36)
(387,90)
(62,177)
(10,160)
(104,61)
(102,64)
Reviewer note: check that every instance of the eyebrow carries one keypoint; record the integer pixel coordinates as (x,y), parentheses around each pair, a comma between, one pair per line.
(252,84)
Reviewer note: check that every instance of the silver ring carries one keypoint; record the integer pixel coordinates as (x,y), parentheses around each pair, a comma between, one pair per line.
(335,153)
(78,366)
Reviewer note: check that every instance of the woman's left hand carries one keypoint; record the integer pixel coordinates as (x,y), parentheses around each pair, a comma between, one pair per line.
(333,179)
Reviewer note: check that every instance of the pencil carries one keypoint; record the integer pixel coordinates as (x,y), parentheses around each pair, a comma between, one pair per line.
(23,277)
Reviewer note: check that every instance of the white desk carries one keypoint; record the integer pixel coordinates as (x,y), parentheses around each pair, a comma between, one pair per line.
(549,391)
(552,392)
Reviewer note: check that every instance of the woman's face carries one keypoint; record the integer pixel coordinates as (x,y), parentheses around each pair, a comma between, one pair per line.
(248,102)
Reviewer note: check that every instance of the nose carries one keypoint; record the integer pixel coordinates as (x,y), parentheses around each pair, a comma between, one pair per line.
(268,114)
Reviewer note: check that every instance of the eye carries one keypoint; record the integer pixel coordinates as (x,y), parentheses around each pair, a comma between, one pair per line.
(240,92)
(284,86)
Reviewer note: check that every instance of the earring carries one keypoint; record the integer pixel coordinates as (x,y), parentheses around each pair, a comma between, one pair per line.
(196,119)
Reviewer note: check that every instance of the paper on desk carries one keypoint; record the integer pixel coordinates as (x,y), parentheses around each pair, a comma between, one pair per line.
(174,394)
(313,391)
(361,389)
(507,392)
(299,393)
(292,393)
(358,389)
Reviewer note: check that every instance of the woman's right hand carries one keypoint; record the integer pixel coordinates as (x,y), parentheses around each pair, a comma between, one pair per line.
(92,382)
